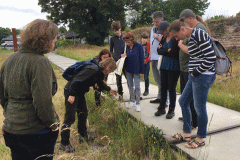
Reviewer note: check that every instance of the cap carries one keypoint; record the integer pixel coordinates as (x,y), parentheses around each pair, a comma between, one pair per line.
(186,13)
(162,27)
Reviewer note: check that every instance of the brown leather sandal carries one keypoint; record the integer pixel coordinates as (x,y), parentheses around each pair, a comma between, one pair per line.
(181,138)
(197,143)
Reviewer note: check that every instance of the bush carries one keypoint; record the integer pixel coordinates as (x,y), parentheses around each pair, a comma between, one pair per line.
(67,42)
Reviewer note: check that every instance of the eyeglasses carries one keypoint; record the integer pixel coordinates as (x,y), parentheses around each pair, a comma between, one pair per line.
(125,37)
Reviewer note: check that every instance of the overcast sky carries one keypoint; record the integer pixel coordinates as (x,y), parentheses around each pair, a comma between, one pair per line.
(18,13)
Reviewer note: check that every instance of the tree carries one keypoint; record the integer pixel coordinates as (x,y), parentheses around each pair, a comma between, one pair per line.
(88,18)
(170,8)
(62,30)
(4,33)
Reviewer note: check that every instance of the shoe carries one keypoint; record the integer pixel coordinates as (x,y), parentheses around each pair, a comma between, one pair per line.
(180,118)
(131,105)
(86,139)
(145,93)
(120,98)
(67,148)
(155,101)
(170,114)
(160,112)
(140,98)
(138,108)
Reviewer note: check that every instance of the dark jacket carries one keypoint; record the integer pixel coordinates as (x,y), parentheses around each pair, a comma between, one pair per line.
(116,44)
(88,76)
(27,85)
(174,53)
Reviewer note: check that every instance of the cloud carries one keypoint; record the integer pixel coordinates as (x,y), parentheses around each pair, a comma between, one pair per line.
(28,11)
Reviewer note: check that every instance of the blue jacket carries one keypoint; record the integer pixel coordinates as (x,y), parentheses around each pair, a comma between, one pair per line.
(134,62)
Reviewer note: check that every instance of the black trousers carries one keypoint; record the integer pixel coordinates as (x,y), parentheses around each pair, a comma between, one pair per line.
(183,82)
(31,146)
(119,84)
(168,83)
(79,106)
(98,93)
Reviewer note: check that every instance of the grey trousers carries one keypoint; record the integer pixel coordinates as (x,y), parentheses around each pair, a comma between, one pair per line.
(157,78)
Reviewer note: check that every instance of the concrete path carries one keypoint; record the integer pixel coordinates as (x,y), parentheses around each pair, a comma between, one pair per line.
(222,142)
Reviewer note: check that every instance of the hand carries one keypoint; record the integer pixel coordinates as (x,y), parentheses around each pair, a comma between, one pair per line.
(145,61)
(180,42)
(192,75)
(169,49)
(140,75)
(113,91)
(71,99)
(155,35)
(123,55)
(96,86)
(159,46)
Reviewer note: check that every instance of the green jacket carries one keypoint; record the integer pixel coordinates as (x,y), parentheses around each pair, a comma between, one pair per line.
(183,57)
(27,85)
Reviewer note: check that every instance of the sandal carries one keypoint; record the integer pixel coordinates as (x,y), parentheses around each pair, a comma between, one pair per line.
(196,142)
(181,138)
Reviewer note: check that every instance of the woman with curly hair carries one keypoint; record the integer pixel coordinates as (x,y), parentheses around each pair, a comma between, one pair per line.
(27,85)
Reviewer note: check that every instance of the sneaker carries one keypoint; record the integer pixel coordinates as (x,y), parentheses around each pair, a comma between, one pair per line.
(67,148)
(120,98)
(160,112)
(131,105)
(170,114)
(155,101)
(138,108)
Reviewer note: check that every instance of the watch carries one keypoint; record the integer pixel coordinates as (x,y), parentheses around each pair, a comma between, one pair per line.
(156,37)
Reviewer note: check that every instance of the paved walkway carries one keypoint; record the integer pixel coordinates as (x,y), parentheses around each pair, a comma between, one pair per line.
(222,142)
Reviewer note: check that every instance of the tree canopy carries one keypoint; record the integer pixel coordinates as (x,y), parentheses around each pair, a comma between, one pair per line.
(170,8)
(88,18)
(4,33)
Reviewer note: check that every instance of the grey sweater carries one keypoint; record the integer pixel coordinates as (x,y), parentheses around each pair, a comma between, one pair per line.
(27,84)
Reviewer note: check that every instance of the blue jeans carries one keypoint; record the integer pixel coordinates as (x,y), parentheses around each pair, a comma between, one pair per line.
(146,74)
(196,89)
(133,78)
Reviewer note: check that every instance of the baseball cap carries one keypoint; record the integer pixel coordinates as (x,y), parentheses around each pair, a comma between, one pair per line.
(186,13)
(163,26)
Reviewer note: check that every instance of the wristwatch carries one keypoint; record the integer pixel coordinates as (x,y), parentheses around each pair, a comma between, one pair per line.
(156,37)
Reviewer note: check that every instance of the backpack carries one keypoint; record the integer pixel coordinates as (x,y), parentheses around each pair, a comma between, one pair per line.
(74,69)
(223,63)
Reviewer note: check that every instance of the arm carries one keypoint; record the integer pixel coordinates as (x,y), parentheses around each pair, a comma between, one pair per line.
(2,98)
(41,88)
(183,47)
(111,45)
(141,58)
(174,51)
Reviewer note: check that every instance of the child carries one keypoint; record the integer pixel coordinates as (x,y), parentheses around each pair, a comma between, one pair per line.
(146,48)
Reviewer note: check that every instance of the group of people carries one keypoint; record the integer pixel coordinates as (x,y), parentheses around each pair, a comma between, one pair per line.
(28,83)
(180,49)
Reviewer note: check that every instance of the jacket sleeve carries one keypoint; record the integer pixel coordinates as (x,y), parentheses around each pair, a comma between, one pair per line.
(148,47)
(141,58)
(111,45)
(2,98)
(174,52)
(103,86)
(41,87)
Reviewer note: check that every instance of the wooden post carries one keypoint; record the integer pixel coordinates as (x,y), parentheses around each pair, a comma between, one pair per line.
(14,39)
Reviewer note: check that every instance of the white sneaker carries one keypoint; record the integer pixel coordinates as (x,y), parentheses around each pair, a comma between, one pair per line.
(138,108)
(131,105)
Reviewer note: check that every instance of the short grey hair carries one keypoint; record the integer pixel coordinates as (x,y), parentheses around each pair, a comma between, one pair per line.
(157,15)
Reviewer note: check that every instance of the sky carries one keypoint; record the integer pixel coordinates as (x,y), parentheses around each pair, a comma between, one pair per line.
(18,13)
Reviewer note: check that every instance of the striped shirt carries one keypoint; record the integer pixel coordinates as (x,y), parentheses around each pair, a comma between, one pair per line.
(202,55)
